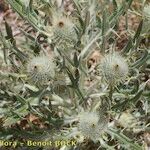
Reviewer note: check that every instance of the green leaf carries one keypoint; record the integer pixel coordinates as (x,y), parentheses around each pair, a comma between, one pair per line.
(9,32)
(115,16)
(11,46)
(87,49)
(126,140)
(105,27)
(99,22)
(141,61)
(63,53)
(128,46)
(136,97)
(115,4)
(87,21)
(132,100)
(10,121)
(136,87)
(138,32)
(35,111)
(16,115)
(31,87)
(31,17)
(129,2)
(71,77)
(20,99)
(77,5)
(3,111)
(28,35)
(76,61)
(34,101)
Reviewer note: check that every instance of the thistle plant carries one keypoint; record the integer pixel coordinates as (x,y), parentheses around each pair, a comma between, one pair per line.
(50,92)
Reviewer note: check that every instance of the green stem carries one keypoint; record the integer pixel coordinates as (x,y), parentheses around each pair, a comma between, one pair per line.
(110,95)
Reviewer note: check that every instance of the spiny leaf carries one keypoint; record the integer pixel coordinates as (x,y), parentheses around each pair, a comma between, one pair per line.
(105,27)
(86,50)
(128,46)
(76,61)
(137,34)
(120,136)
(141,61)
(115,4)
(9,32)
(32,87)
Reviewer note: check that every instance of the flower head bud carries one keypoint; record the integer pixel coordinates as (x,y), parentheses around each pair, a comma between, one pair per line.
(63,27)
(91,125)
(41,69)
(114,68)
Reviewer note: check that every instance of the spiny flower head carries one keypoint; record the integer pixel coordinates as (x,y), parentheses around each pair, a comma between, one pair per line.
(41,69)
(63,27)
(91,125)
(114,68)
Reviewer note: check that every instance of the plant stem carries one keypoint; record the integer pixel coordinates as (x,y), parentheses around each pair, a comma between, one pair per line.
(110,94)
